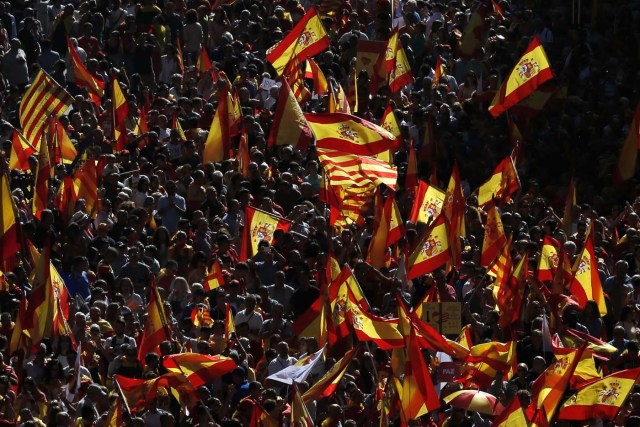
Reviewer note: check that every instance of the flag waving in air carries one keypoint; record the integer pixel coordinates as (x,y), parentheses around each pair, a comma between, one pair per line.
(432,251)
(531,71)
(259,225)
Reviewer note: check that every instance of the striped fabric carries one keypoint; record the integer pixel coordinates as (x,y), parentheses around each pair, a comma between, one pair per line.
(360,171)
(43,99)
(295,78)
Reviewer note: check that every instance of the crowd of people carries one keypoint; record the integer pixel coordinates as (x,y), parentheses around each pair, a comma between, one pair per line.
(163,216)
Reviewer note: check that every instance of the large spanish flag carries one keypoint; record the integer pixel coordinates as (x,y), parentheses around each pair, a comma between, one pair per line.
(626,166)
(156,329)
(345,288)
(432,251)
(349,134)
(531,71)
(501,185)
(199,368)
(289,124)
(586,284)
(427,204)
(84,78)
(43,99)
(601,399)
(397,64)
(308,38)
(259,225)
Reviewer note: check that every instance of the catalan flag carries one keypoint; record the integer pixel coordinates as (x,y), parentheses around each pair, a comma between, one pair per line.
(494,237)
(501,185)
(200,316)
(21,150)
(179,55)
(411,175)
(307,39)
(397,64)
(295,78)
(199,369)
(626,166)
(215,279)
(85,181)
(259,225)
(326,385)
(338,102)
(531,71)
(94,85)
(586,284)
(41,186)
(432,251)
(243,157)
(289,125)
(473,37)
(43,99)
(378,244)
(349,134)
(120,111)
(156,328)
(428,203)
(351,170)
(218,143)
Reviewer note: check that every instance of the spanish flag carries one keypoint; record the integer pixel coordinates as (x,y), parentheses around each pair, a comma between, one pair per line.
(473,36)
(494,238)
(308,38)
(438,73)
(313,322)
(41,185)
(242,156)
(40,313)
(397,64)
(344,289)
(261,418)
(512,416)
(120,111)
(531,71)
(549,259)
(485,360)
(428,203)
(156,328)
(349,134)
(601,399)
(626,167)
(368,56)
(139,394)
(218,144)
(586,284)
(214,278)
(63,149)
(259,225)
(432,251)
(94,85)
(43,99)
(300,416)
(203,63)
(511,295)
(326,385)
(454,208)
(390,124)
(199,369)
(289,124)
(548,389)
(501,185)
(368,327)
(313,72)
(229,323)
(21,149)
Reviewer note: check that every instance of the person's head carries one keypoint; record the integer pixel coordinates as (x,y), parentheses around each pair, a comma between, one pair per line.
(250,303)
(283,349)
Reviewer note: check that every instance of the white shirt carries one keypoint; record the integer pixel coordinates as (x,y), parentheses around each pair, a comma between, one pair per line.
(278,364)
(254,319)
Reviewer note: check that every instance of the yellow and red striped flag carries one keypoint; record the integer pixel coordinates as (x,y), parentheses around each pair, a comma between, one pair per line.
(601,399)
(398,67)
(200,316)
(432,251)
(218,143)
(261,418)
(501,185)
(349,134)
(438,73)
(390,124)
(21,149)
(259,225)
(9,226)
(326,385)
(85,181)
(313,72)
(350,170)
(494,237)
(531,71)
(214,278)
(300,416)
(289,124)
(43,99)
(41,185)
(368,327)
(63,149)
(39,316)
(142,127)
(94,85)
(229,323)
(338,102)
(313,322)
(120,111)
(295,78)
(486,360)
(428,203)
(199,369)
(139,394)
(203,63)
(308,38)
(549,259)
(586,284)
(511,295)
(626,166)
(513,415)
(411,175)
(156,328)
(179,55)
(472,39)
(378,243)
